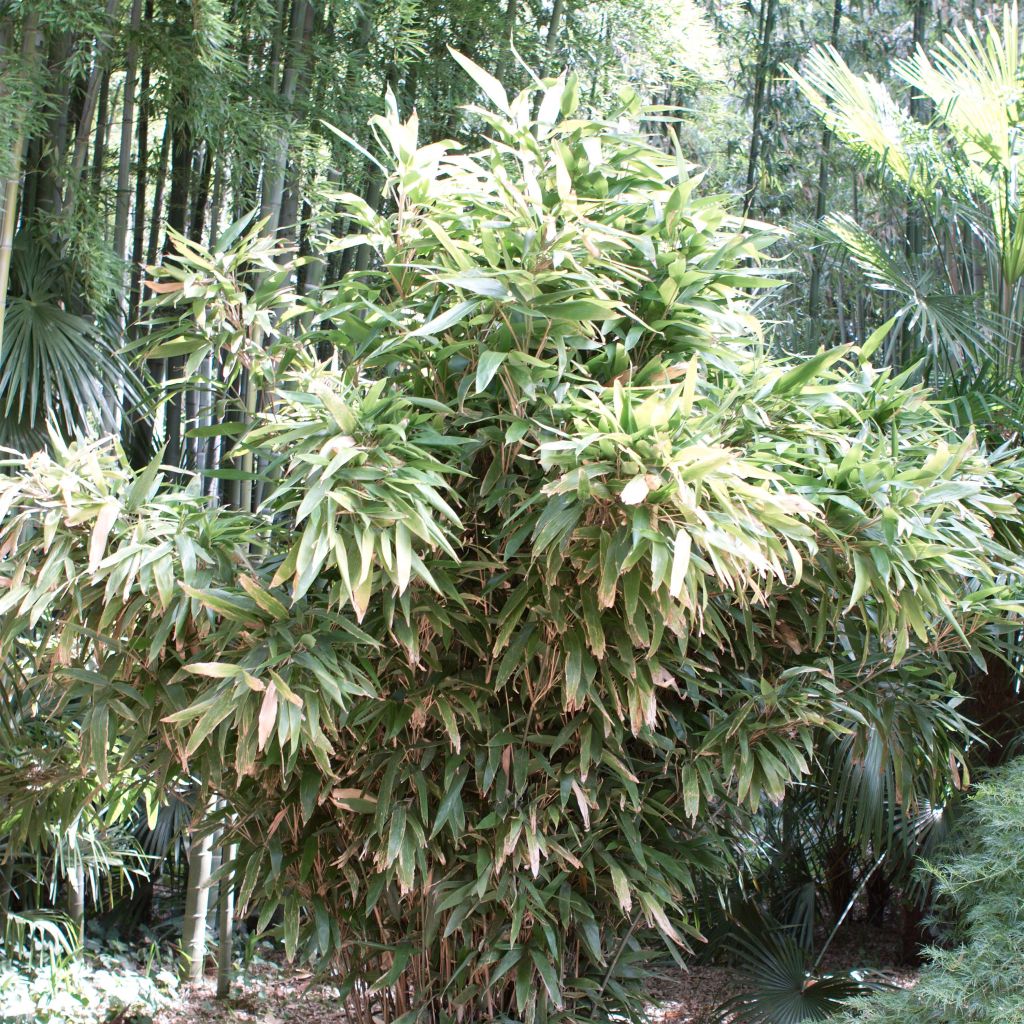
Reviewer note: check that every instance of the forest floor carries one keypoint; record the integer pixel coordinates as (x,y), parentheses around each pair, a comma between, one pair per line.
(692,996)
(271,995)
(115,986)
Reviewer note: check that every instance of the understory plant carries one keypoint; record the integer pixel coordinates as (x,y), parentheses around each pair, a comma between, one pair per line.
(545,577)
(65,843)
(956,291)
(84,990)
(779,985)
(979,977)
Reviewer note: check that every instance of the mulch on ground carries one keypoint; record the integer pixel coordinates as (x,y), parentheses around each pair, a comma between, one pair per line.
(272,994)
(692,996)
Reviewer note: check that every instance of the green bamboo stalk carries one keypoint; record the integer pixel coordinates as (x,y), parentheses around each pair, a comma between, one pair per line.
(76,900)
(197,898)
(29,50)
(226,925)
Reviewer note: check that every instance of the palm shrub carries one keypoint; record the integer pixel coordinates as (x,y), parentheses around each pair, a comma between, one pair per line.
(957,293)
(978,980)
(556,577)
(58,368)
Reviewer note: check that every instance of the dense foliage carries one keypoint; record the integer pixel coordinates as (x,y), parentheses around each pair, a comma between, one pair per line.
(75,992)
(555,576)
(977,979)
(122,122)
(959,175)
(448,561)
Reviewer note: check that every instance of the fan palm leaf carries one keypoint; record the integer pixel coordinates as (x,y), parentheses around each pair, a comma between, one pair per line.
(780,989)
(959,174)
(951,331)
(56,367)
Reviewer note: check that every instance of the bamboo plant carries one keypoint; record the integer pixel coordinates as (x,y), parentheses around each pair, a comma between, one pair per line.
(556,579)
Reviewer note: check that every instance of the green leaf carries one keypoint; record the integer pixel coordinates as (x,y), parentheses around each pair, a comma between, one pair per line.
(807,369)
(450,802)
(222,707)
(213,669)
(576,309)
(229,428)
(403,556)
(547,973)
(400,960)
(449,318)
(489,85)
(621,887)
(221,602)
(691,793)
(487,366)
(263,598)
(680,563)
(105,519)
(877,336)
(863,574)
(444,709)
(480,284)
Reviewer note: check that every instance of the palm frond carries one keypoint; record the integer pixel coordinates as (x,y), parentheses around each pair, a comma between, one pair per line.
(55,366)
(862,112)
(780,989)
(38,935)
(948,331)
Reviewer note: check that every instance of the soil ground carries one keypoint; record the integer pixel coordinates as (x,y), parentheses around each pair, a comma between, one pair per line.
(691,997)
(272,995)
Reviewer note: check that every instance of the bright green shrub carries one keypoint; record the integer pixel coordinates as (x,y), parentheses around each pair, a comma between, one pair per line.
(557,575)
(981,979)
(82,991)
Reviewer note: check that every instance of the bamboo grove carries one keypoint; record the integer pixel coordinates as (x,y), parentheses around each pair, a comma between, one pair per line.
(124,122)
